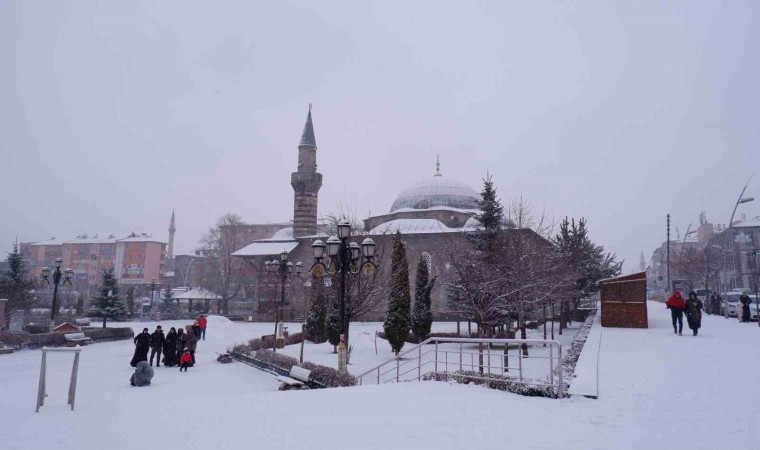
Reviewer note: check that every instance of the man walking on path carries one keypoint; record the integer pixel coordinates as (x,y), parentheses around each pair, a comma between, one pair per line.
(156,345)
(676,304)
(202,322)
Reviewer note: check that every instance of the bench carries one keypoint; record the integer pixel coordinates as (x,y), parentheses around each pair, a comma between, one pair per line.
(298,376)
(77,338)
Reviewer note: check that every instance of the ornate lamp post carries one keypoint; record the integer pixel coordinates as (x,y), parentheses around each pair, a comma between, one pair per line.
(56,282)
(281,269)
(730,238)
(340,256)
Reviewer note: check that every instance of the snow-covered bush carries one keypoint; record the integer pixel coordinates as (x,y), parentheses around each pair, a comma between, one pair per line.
(329,377)
(109,334)
(497,382)
(15,339)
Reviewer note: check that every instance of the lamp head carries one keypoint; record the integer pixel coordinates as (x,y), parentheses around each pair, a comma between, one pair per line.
(344,229)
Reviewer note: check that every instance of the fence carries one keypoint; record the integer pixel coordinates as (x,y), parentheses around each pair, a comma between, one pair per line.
(490,360)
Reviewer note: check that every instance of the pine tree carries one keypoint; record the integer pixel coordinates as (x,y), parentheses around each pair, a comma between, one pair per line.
(168,303)
(314,329)
(491,219)
(332,323)
(15,286)
(110,304)
(491,214)
(396,324)
(422,316)
(131,300)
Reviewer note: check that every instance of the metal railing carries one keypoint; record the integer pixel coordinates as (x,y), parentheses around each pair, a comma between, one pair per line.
(455,356)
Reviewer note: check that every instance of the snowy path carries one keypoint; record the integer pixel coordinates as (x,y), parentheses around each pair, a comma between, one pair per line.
(657,391)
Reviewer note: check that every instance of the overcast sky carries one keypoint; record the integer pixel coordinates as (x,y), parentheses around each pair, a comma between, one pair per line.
(114,113)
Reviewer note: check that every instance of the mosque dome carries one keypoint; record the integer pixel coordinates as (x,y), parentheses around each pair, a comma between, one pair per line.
(437,192)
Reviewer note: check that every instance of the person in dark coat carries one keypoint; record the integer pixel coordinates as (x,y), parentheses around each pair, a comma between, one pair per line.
(745,301)
(170,348)
(142,345)
(143,374)
(190,344)
(693,310)
(676,305)
(181,337)
(156,345)
(196,329)
(714,304)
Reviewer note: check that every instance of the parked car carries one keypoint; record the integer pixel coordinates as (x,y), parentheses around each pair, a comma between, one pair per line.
(734,307)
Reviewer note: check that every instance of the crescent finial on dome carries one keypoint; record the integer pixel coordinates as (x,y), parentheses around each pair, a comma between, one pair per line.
(437,166)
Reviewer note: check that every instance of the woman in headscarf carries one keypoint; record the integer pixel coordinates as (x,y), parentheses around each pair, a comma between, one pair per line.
(693,310)
(181,337)
(170,348)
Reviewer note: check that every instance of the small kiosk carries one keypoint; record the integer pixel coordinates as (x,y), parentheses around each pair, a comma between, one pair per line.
(624,301)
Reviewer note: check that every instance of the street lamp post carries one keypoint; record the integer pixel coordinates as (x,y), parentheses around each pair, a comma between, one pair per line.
(56,282)
(281,269)
(729,236)
(344,258)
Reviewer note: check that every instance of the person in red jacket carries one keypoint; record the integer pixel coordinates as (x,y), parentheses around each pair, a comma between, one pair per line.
(185,360)
(676,304)
(202,322)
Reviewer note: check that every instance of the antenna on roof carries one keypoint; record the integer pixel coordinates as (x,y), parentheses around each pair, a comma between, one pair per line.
(437,166)
(309,106)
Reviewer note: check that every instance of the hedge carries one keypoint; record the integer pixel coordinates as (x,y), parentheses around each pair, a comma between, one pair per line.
(497,382)
(20,339)
(108,334)
(281,364)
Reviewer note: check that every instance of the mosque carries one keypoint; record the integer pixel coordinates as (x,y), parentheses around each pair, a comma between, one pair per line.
(431,214)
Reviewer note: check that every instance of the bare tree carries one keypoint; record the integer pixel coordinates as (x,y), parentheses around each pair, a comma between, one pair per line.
(224,271)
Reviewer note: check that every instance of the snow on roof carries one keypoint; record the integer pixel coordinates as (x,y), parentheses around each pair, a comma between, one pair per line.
(197,294)
(94,240)
(51,241)
(412,226)
(266,248)
(141,239)
(753,222)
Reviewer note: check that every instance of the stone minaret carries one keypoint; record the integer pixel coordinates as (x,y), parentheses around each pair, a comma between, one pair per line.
(306,183)
(170,250)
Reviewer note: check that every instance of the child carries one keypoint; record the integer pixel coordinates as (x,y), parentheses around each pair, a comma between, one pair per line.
(185,360)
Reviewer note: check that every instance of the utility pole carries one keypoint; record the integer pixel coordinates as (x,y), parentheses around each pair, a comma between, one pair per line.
(668,257)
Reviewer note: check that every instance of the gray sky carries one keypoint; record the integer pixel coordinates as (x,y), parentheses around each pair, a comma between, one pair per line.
(114,113)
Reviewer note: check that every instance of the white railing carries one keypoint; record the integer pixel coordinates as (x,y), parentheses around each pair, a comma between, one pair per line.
(458,355)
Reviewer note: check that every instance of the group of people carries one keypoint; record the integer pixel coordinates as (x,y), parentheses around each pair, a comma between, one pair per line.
(691,307)
(177,346)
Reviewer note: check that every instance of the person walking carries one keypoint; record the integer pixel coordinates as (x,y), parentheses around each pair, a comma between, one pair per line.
(746,302)
(190,344)
(676,306)
(185,360)
(693,309)
(196,330)
(203,323)
(181,337)
(714,304)
(157,340)
(170,348)
(142,345)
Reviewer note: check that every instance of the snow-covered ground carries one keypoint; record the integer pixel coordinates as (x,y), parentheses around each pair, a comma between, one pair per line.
(657,391)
